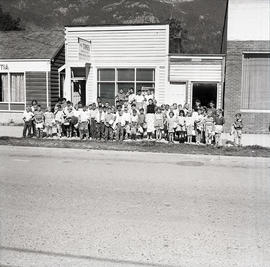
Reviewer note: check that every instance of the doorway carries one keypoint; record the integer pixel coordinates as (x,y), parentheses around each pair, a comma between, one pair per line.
(205,92)
(79,92)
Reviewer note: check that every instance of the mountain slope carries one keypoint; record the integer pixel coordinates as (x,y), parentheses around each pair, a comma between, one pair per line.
(203,19)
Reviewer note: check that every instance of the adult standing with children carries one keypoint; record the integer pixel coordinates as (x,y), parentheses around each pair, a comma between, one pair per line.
(150,118)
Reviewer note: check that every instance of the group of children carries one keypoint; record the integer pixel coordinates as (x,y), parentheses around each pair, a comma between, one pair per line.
(130,119)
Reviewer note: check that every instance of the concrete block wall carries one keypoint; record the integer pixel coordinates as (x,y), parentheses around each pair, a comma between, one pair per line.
(253,122)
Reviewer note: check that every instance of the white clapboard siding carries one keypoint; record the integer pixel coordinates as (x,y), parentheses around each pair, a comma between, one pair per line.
(249,20)
(117,43)
(196,71)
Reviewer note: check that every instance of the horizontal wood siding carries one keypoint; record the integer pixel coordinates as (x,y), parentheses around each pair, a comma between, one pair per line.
(36,88)
(114,45)
(121,47)
(57,62)
(196,71)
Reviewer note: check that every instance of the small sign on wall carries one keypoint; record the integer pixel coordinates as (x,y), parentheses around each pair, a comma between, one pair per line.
(3,67)
(84,50)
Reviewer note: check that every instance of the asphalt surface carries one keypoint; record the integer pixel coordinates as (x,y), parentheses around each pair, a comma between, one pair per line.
(64,207)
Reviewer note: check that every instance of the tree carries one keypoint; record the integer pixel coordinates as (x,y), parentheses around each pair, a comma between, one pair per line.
(177,35)
(7,23)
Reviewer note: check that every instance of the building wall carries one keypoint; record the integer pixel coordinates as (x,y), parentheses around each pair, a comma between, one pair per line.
(248,20)
(36,87)
(189,69)
(57,62)
(253,122)
(35,71)
(120,47)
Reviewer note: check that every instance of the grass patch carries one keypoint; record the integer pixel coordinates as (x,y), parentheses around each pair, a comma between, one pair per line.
(141,146)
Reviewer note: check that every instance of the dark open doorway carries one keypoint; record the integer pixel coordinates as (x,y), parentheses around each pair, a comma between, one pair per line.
(205,92)
(79,92)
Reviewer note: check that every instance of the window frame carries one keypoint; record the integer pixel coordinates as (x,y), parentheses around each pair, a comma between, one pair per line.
(250,110)
(116,82)
(9,102)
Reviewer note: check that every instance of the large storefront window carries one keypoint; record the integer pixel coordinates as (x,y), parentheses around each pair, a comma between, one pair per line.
(12,91)
(256,81)
(110,81)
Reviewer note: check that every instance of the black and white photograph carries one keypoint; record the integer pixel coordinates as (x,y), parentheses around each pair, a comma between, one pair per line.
(135,133)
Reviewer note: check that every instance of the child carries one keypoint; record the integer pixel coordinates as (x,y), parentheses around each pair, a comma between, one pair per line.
(120,125)
(83,123)
(209,127)
(93,115)
(49,121)
(139,100)
(171,126)
(181,126)
(39,120)
(59,119)
(127,119)
(237,129)
(134,125)
(67,122)
(27,118)
(100,122)
(199,123)
(109,120)
(190,126)
(159,122)
(219,122)
(141,123)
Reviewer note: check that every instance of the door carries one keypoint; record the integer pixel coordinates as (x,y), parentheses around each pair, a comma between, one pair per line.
(176,93)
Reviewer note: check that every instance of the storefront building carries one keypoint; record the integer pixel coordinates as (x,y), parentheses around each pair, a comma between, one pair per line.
(248,64)
(193,77)
(28,70)
(137,56)
(121,57)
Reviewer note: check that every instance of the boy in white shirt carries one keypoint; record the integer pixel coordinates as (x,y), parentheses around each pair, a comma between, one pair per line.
(27,118)
(83,123)
(59,119)
(139,100)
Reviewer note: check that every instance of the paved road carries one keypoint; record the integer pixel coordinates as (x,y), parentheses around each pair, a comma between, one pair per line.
(63,207)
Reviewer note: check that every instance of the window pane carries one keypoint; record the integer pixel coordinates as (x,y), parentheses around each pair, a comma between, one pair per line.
(17,87)
(3,88)
(145,75)
(106,75)
(256,82)
(107,92)
(125,86)
(144,86)
(126,74)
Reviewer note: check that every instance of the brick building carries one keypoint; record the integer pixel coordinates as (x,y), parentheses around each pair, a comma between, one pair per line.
(247,83)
